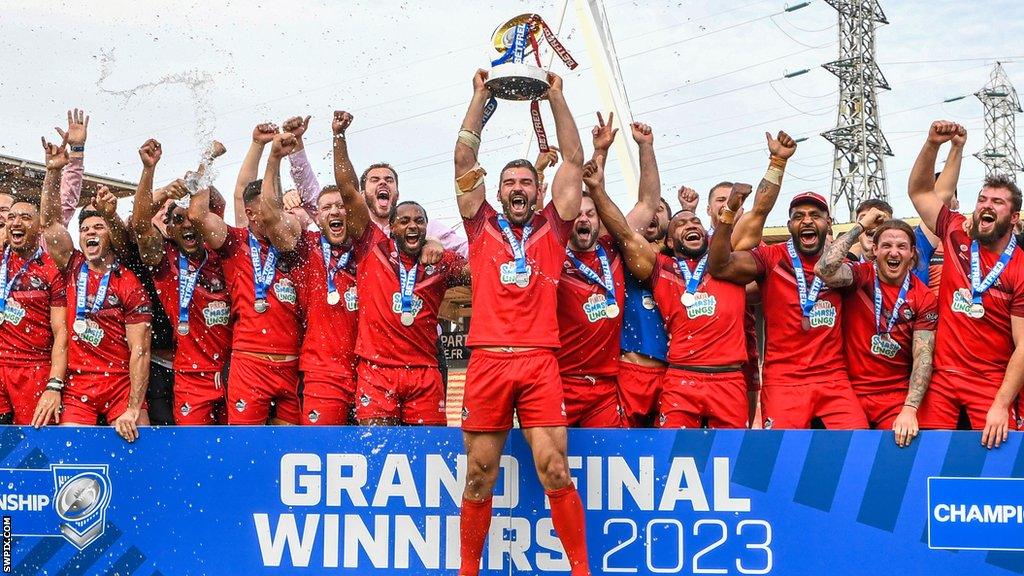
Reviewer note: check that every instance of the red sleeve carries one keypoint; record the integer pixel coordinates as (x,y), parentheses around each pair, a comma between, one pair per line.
(561,228)
(137,308)
(475,226)
(454,267)
(764,257)
(362,245)
(235,238)
(1017,304)
(863,274)
(947,220)
(927,317)
(58,289)
(659,263)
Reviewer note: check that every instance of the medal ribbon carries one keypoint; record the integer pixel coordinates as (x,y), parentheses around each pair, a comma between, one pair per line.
(7,285)
(262,273)
(605,280)
(518,247)
(549,35)
(808,298)
(895,307)
(979,286)
(325,247)
(406,281)
(692,279)
(187,285)
(81,294)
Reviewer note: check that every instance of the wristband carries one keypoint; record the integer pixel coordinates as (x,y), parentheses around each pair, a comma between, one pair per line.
(726,216)
(471,139)
(55,384)
(78,148)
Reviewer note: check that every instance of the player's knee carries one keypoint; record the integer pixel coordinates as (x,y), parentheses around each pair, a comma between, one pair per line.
(480,479)
(553,471)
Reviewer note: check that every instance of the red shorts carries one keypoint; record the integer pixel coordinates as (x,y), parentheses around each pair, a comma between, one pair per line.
(20,388)
(793,407)
(255,383)
(639,389)
(591,402)
(89,395)
(497,382)
(413,394)
(688,397)
(882,408)
(948,393)
(198,398)
(327,400)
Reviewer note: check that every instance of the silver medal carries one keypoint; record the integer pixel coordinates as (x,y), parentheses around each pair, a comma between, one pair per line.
(977,311)
(611,310)
(333,298)
(688,299)
(261,305)
(183,328)
(80,326)
(407,318)
(522,279)
(648,302)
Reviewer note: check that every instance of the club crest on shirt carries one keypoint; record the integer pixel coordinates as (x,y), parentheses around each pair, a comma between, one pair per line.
(596,307)
(396,304)
(962,302)
(93,333)
(185,409)
(351,299)
(217,313)
(508,272)
(285,291)
(823,314)
(705,305)
(14,313)
(881,346)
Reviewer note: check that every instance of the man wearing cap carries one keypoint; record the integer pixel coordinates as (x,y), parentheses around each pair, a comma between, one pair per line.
(804,368)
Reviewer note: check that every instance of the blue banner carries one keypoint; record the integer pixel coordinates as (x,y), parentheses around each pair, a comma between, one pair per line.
(288,500)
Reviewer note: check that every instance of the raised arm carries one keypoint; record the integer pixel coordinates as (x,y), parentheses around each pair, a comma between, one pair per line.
(637,252)
(106,204)
(55,233)
(832,268)
(138,336)
(469,174)
(921,186)
(997,421)
(48,406)
(74,172)
(905,426)
(357,215)
(301,171)
(262,134)
(738,267)
(282,228)
(544,161)
(567,185)
(749,227)
(649,193)
(212,227)
(149,239)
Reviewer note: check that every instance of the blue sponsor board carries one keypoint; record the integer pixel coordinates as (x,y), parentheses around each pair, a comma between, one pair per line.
(976,513)
(285,500)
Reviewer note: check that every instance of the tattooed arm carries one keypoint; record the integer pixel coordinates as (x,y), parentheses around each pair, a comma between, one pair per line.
(833,268)
(905,425)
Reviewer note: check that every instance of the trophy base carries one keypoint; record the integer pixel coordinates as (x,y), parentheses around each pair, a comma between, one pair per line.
(517,81)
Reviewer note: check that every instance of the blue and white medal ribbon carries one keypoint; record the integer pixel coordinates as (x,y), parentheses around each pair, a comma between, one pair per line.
(333,297)
(7,285)
(262,272)
(81,295)
(808,298)
(693,279)
(518,249)
(187,280)
(406,285)
(979,286)
(515,52)
(605,280)
(900,300)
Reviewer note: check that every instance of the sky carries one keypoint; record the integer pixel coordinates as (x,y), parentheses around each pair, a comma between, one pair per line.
(707,75)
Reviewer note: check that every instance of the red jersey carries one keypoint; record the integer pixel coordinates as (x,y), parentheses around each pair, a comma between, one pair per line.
(329,340)
(979,348)
(503,313)
(275,331)
(793,355)
(26,335)
(709,333)
(589,338)
(205,347)
(383,339)
(876,364)
(103,347)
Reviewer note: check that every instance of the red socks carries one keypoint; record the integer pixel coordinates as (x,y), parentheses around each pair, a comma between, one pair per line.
(567,517)
(475,521)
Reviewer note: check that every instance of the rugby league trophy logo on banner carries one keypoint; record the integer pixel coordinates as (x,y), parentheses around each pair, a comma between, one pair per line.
(512,75)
